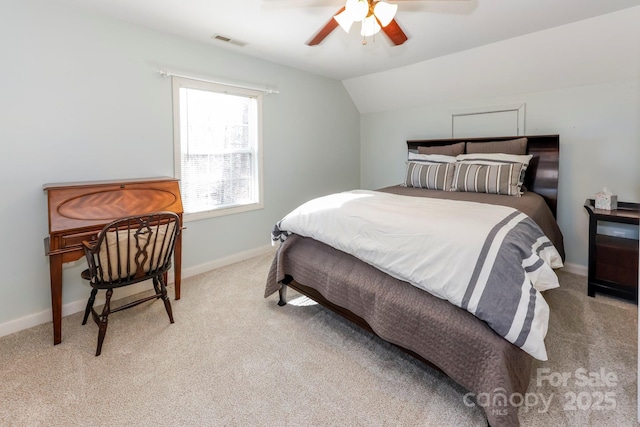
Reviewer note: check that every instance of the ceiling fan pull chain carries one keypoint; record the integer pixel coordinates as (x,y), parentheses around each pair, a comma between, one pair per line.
(364,37)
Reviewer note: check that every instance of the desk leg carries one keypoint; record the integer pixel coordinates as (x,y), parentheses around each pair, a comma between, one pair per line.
(55,271)
(177,268)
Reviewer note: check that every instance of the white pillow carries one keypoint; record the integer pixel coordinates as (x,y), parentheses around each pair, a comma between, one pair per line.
(431,158)
(492,158)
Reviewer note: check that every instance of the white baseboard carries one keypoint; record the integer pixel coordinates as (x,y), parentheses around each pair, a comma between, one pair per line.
(579,269)
(73,307)
(232,259)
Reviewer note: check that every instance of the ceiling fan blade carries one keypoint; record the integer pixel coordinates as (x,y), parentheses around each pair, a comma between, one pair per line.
(395,33)
(325,31)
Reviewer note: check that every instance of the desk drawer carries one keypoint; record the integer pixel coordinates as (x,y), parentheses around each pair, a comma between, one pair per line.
(70,240)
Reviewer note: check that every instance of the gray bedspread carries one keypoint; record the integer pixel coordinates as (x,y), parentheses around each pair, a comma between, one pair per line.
(458,343)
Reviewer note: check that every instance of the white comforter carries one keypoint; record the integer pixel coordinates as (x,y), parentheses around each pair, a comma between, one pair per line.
(490,260)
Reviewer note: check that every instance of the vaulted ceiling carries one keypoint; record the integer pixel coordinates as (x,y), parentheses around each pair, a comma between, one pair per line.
(277,30)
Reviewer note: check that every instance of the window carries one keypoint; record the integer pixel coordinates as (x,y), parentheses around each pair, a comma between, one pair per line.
(218,155)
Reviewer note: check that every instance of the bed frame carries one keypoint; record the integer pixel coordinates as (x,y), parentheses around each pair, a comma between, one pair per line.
(541,177)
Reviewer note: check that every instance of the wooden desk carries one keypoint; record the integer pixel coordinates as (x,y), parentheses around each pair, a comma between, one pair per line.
(79,210)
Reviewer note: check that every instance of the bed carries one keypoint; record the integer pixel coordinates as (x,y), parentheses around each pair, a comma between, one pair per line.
(433,329)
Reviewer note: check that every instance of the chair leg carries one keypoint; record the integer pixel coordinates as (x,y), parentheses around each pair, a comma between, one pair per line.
(104,319)
(165,297)
(90,302)
(156,285)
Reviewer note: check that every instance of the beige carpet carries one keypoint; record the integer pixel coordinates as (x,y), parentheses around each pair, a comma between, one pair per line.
(234,358)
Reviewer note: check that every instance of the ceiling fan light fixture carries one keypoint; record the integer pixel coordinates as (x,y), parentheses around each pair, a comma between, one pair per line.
(358,9)
(370,26)
(373,15)
(345,20)
(385,12)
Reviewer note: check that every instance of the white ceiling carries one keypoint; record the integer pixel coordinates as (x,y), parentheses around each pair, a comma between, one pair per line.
(276,30)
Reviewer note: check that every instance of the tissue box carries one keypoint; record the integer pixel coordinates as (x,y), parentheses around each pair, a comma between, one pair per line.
(606,201)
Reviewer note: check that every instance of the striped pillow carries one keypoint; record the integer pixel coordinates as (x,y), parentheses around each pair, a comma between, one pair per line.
(432,176)
(499,178)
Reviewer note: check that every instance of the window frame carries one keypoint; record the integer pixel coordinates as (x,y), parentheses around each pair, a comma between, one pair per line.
(183,82)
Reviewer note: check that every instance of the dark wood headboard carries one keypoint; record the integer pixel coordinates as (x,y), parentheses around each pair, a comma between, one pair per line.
(542,173)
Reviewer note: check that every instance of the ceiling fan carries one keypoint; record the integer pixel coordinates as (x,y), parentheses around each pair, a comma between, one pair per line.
(375,15)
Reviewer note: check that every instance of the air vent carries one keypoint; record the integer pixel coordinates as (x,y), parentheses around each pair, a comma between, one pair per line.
(225,39)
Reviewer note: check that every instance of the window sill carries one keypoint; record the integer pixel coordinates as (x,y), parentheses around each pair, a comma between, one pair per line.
(232,210)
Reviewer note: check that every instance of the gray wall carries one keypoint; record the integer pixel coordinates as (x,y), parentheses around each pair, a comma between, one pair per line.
(81,100)
(581,81)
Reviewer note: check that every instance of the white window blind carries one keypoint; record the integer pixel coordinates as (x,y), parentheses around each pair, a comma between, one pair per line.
(218,149)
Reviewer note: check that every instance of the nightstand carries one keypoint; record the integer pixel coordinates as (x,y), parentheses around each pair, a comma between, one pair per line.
(613,260)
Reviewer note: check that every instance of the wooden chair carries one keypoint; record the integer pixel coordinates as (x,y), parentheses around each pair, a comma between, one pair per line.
(127,251)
